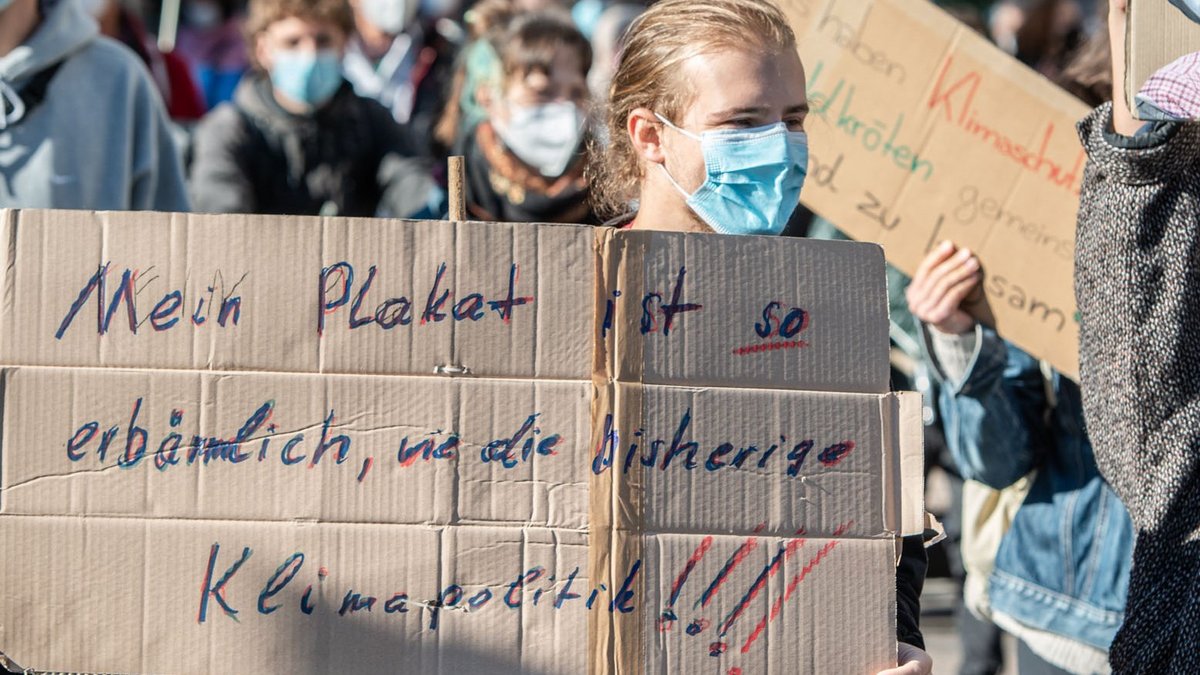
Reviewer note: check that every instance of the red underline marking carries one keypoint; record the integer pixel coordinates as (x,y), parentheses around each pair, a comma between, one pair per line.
(770,347)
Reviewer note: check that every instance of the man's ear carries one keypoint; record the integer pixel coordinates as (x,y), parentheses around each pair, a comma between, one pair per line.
(645,132)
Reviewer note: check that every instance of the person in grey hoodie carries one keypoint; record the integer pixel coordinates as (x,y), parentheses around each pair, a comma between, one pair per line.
(81,123)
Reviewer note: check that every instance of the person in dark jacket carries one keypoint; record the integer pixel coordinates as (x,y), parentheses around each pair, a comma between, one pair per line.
(297,139)
(1137,286)
(525,162)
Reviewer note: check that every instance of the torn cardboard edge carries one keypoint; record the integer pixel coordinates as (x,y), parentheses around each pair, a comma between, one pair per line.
(1157,35)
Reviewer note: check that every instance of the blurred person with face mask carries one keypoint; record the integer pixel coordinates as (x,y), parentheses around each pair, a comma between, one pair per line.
(170,72)
(525,161)
(81,123)
(210,40)
(296,139)
(403,62)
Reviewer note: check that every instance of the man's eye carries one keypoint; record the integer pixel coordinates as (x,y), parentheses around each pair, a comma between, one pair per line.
(795,123)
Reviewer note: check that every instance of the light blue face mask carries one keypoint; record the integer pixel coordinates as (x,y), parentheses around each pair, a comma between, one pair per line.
(753,177)
(4,4)
(306,77)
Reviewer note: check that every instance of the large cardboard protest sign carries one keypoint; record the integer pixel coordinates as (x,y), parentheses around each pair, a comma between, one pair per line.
(1162,59)
(921,131)
(394,446)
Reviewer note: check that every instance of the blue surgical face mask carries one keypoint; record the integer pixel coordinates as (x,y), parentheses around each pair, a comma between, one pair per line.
(753,177)
(4,4)
(307,77)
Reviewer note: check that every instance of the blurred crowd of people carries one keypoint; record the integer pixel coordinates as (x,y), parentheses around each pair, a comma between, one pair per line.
(350,106)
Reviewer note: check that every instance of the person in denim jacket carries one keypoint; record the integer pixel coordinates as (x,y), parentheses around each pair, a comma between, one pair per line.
(1061,573)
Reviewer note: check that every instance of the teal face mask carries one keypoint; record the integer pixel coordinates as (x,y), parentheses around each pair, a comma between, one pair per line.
(753,177)
(306,77)
(4,4)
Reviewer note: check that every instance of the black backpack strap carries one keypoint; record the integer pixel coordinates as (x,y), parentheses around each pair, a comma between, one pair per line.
(33,92)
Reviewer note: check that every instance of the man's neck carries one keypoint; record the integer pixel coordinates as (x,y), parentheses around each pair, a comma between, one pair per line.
(660,207)
(17,23)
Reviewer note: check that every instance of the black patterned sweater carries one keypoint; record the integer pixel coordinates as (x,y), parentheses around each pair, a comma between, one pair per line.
(1137,284)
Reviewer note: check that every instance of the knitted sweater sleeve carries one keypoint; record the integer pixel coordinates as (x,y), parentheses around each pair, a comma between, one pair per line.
(1137,285)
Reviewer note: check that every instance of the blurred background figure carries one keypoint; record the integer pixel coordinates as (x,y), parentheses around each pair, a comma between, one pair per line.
(1005,19)
(477,63)
(170,72)
(525,161)
(1052,31)
(296,139)
(210,40)
(403,62)
(608,39)
(1043,34)
(81,124)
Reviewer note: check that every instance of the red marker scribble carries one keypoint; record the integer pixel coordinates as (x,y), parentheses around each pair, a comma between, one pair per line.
(695,559)
(770,347)
(834,454)
(734,560)
(767,572)
(777,606)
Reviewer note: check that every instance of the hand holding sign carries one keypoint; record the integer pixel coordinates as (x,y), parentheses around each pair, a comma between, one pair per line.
(943,280)
(912,660)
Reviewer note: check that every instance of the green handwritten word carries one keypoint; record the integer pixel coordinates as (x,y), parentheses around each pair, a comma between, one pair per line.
(875,136)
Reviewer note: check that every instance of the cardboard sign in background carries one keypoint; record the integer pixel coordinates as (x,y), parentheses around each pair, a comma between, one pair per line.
(922,131)
(1157,35)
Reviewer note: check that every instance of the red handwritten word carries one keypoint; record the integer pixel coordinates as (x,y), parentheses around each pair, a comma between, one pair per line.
(955,100)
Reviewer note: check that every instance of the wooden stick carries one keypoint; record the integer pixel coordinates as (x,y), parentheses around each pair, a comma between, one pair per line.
(458,191)
(168,25)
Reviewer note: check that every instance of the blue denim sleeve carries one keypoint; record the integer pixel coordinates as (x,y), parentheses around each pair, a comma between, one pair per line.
(995,417)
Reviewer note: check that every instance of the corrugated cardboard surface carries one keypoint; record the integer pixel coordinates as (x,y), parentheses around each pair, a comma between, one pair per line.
(787,620)
(741,461)
(1156,35)
(125,595)
(295,294)
(921,131)
(264,497)
(337,448)
(745,311)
